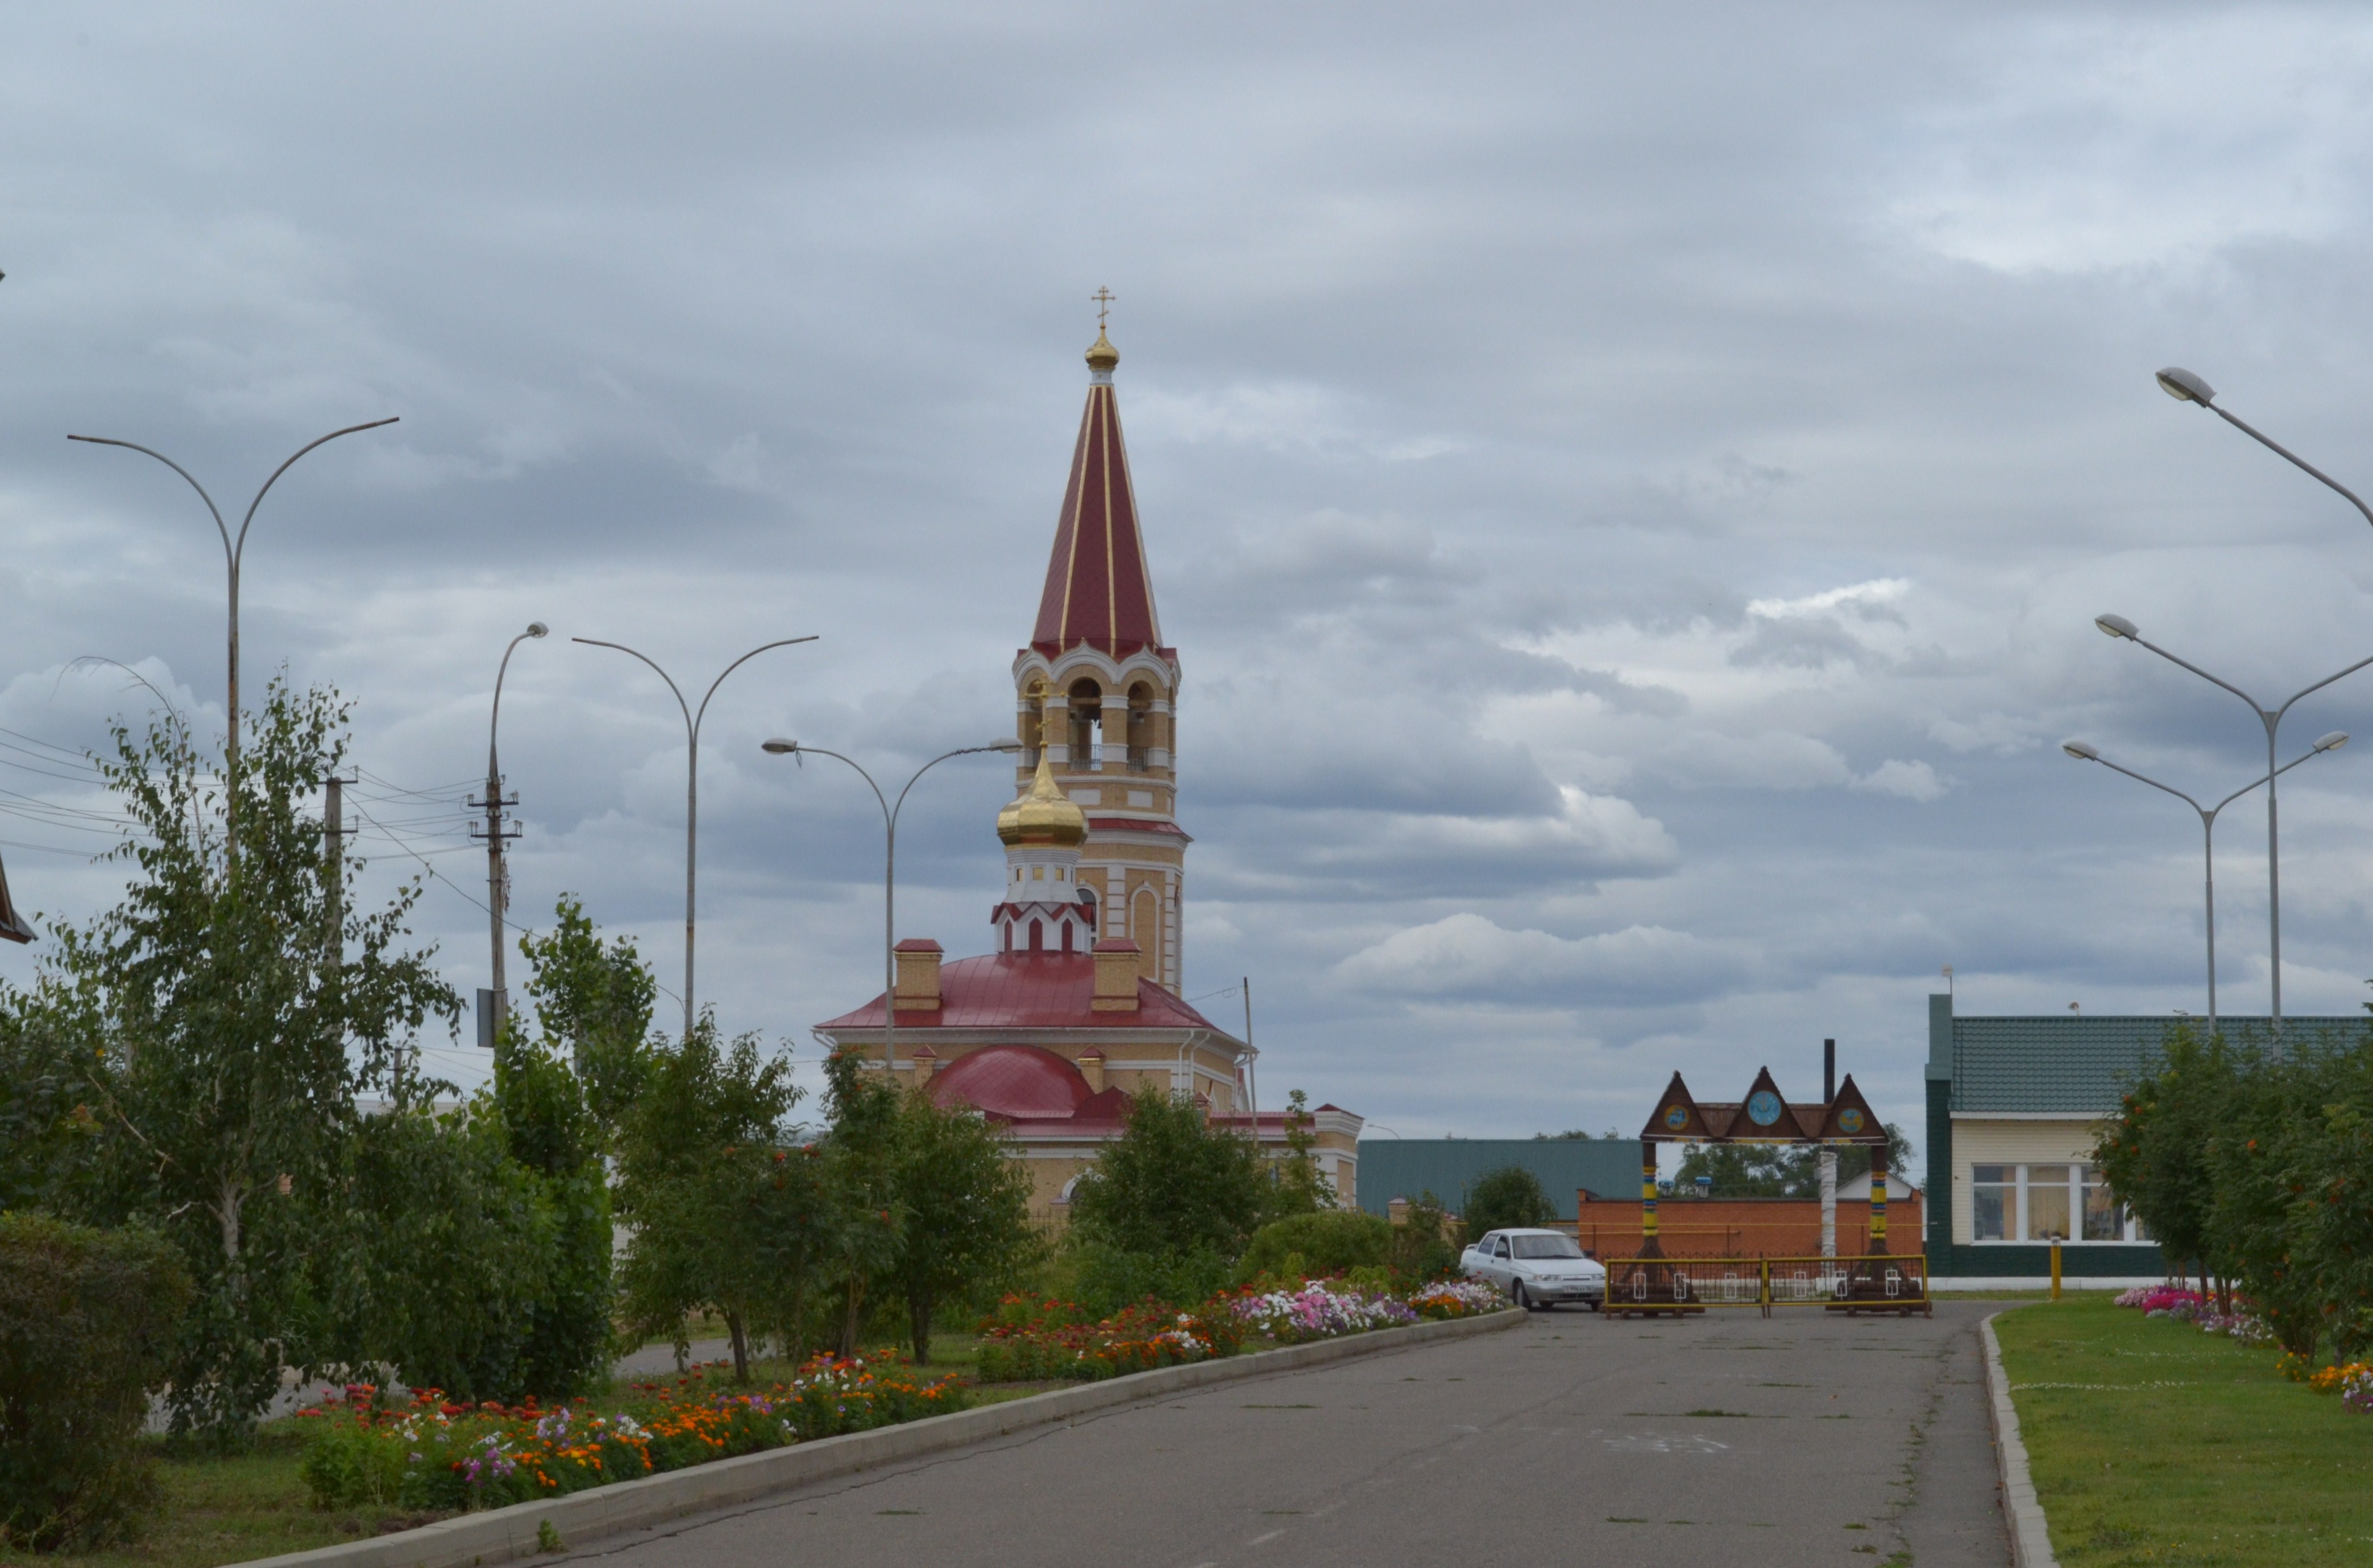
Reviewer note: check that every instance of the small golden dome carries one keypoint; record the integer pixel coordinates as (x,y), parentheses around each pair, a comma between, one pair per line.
(1042,814)
(1102,355)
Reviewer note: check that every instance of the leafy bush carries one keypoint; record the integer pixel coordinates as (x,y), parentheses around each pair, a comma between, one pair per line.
(1508,1195)
(1107,1279)
(1329,1241)
(1424,1243)
(87,1327)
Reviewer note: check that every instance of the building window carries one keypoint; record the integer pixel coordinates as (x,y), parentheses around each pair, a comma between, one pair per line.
(2038,1203)
(2103,1220)
(1994,1201)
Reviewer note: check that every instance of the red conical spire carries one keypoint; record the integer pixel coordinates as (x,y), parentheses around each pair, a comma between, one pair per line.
(1098,591)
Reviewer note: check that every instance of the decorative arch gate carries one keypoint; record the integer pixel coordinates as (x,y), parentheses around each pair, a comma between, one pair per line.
(1877,1280)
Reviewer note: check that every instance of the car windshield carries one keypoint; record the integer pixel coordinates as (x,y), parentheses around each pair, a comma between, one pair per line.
(1545,1246)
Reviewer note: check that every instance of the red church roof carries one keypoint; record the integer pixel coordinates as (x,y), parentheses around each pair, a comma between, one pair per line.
(1098,591)
(1028,990)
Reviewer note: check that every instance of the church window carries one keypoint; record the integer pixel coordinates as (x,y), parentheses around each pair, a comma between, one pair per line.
(1037,937)
(1037,873)
(1059,874)
(1066,936)
(1087,712)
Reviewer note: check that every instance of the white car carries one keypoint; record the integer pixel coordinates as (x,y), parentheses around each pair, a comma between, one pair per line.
(1537,1269)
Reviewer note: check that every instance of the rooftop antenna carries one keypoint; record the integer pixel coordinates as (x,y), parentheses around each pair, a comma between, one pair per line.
(1948,979)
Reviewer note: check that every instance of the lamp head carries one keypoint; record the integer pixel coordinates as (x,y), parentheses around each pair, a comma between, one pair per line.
(2185,387)
(2117,626)
(2083,751)
(779,746)
(537,628)
(2332,741)
(1007,744)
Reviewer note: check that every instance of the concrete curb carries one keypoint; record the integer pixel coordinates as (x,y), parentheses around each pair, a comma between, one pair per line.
(499,1535)
(2031,1540)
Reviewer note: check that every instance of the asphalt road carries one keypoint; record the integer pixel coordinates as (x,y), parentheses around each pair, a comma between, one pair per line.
(1725,1440)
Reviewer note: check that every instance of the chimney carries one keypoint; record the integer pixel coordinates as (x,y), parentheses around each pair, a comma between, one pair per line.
(927,1061)
(919,974)
(1116,976)
(1091,1068)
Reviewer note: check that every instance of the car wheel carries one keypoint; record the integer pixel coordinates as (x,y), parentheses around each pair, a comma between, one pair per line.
(1518,1294)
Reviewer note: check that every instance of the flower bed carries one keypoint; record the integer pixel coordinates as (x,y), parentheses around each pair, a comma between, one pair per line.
(1034,1338)
(431,1454)
(1030,1338)
(1317,1311)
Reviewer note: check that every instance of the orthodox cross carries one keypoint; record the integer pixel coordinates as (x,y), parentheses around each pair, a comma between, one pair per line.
(1103,298)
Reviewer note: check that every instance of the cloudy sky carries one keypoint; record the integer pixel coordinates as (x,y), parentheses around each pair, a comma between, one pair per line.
(1630,490)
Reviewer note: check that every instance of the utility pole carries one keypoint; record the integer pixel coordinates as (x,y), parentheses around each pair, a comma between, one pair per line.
(494,1001)
(1828,1157)
(334,873)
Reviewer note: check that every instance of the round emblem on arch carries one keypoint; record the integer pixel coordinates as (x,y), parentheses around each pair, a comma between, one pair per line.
(1849,1120)
(1677,1117)
(1763,1107)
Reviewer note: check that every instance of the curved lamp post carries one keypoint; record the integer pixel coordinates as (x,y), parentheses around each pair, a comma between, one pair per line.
(692,719)
(234,553)
(2085,753)
(793,749)
(2185,387)
(497,897)
(2119,627)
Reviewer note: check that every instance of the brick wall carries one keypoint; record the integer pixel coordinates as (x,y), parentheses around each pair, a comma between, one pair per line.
(1743,1227)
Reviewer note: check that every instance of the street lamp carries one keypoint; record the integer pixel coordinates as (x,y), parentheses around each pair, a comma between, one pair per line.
(794,749)
(2085,753)
(692,784)
(2185,387)
(234,553)
(498,893)
(2271,717)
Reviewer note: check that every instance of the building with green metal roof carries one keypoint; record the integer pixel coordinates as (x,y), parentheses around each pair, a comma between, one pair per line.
(1410,1167)
(2013,1102)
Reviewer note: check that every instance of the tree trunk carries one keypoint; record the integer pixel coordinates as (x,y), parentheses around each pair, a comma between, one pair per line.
(919,1318)
(741,1347)
(852,1321)
(227,1214)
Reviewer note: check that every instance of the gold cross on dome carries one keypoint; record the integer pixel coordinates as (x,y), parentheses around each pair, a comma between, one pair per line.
(1103,298)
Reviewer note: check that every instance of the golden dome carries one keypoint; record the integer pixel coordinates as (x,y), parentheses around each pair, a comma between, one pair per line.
(1102,355)
(1042,814)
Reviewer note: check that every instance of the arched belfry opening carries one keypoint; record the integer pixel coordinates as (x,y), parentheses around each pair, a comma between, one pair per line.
(1087,714)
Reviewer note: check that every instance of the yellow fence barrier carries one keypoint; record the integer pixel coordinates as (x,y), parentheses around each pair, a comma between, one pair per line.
(1882,1282)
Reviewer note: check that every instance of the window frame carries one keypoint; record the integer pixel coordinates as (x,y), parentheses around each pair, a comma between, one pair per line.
(2064,1175)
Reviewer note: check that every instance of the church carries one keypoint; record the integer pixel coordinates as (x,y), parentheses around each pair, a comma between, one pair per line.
(1077,1005)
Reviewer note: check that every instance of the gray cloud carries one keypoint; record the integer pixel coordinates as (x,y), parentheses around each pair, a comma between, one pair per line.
(1522,408)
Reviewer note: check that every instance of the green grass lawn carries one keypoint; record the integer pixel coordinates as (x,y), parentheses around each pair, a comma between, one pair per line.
(2152,1443)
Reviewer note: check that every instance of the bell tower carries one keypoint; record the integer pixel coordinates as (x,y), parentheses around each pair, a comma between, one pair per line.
(1096,694)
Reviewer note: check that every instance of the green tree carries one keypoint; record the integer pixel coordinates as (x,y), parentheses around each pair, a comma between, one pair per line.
(2154,1150)
(724,1202)
(1171,1185)
(1296,1185)
(865,1214)
(592,1005)
(967,1205)
(553,1136)
(433,1253)
(230,1008)
(1506,1196)
(1784,1170)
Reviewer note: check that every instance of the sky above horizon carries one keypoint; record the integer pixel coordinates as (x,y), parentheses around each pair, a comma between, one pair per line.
(1630,490)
